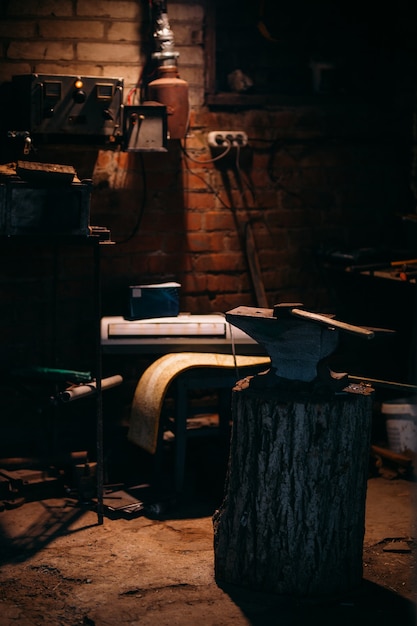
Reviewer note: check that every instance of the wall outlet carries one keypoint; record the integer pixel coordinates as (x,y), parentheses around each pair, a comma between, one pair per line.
(223,138)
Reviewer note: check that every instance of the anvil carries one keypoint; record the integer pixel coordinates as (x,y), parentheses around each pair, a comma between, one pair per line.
(295,339)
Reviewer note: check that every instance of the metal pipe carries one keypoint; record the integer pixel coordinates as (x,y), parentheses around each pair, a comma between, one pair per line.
(164,51)
(168,88)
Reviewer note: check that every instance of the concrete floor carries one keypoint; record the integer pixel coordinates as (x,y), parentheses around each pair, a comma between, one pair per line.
(60,567)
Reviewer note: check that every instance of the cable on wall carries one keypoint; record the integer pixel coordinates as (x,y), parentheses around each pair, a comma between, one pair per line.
(212,160)
(142,204)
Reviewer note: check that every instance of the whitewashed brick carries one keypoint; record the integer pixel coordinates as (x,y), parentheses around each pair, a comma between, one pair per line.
(58,8)
(190,56)
(108,52)
(7,70)
(130,74)
(110,8)
(193,75)
(67,29)
(196,95)
(185,12)
(78,69)
(124,31)
(19,30)
(187,34)
(40,50)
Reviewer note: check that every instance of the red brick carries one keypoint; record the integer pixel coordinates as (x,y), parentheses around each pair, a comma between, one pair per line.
(195,181)
(194,221)
(197,304)
(199,200)
(175,242)
(209,242)
(219,220)
(227,283)
(194,283)
(226,302)
(226,262)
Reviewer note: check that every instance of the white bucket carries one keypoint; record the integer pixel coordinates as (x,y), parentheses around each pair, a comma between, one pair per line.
(401,425)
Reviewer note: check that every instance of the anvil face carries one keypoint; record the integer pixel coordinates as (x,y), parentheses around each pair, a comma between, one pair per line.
(294,346)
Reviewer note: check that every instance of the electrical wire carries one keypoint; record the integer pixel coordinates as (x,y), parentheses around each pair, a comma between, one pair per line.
(232,345)
(209,187)
(217,158)
(142,205)
(131,92)
(245,177)
(232,341)
(221,156)
(144,194)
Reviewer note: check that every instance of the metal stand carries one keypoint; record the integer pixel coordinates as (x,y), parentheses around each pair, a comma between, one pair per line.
(99,396)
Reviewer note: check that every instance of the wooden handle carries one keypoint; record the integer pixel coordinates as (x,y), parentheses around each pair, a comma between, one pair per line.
(324,319)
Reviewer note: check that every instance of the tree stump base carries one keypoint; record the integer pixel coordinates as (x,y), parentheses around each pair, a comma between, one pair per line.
(293,516)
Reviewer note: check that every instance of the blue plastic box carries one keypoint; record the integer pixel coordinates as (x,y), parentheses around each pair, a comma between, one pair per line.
(157,300)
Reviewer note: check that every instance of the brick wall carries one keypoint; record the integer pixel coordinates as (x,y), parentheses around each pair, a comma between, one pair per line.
(318,173)
(92,38)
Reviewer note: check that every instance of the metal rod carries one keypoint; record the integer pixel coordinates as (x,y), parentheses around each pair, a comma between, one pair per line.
(99,400)
(383,383)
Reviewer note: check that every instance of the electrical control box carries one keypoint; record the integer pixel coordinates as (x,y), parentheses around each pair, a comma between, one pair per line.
(145,128)
(68,106)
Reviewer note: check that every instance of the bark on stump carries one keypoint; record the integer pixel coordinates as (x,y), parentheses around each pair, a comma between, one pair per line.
(293,517)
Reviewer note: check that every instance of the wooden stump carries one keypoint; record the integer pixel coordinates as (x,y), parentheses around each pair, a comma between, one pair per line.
(293,517)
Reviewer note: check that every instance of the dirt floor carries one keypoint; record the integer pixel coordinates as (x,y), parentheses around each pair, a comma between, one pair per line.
(155,566)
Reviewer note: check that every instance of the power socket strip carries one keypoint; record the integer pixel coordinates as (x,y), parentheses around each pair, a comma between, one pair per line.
(225,138)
